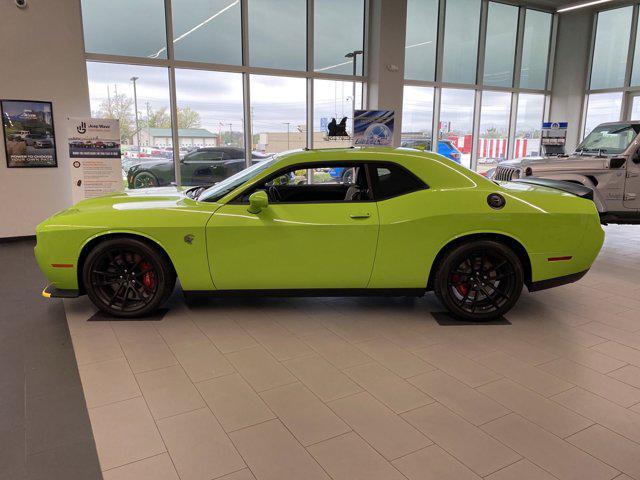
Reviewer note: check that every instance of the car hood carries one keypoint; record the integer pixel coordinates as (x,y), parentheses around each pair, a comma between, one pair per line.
(558,163)
(140,199)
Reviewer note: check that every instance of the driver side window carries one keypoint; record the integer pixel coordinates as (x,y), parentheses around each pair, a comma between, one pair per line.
(320,183)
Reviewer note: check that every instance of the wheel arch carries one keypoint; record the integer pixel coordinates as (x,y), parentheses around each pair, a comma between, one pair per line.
(515,245)
(97,239)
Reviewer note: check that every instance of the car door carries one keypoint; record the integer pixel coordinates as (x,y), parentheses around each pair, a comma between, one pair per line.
(202,167)
(314,234)
(632,182)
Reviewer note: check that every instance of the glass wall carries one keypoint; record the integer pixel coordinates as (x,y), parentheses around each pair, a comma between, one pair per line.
(456,121)
(122,27)
(207,31)
(493,138)
(210,125)
(535,49)
(528,123)
(278,113)
(611,48)
(417,117)
(635,108)
(461,32)
(635,73)
(248,97)
(280,42)
(483,136)
(615,72)
(338,31)
(421,40)
(502,30)
(137,96)
(602,107)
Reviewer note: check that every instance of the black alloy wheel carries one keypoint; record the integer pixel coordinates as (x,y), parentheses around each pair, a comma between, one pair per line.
(145,180)
(127,278)
(479,280)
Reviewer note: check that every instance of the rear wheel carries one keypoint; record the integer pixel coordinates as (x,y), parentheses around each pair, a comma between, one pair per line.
(127,278)
(480,280)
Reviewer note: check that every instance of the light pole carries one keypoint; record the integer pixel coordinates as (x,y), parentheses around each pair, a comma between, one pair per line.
(287,124)
(135,105)
(354,56)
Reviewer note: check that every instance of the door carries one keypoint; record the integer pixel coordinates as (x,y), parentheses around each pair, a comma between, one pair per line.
(316,233)
(202,167)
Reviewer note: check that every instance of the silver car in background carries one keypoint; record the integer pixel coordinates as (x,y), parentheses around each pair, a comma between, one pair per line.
(607,161)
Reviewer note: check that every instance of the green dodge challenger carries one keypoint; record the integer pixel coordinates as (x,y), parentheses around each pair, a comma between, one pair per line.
(405,222)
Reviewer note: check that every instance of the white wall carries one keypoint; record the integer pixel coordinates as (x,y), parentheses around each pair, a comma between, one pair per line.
(570,71)
(41,58)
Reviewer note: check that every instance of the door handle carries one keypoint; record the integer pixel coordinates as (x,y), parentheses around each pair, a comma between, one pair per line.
(360,215)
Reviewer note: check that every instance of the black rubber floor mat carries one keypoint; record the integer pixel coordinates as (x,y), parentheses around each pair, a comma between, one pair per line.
(447,320)
(104,317)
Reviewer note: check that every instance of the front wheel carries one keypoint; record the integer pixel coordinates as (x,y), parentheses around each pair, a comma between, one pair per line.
(127,278)
(480,280)
(145,180)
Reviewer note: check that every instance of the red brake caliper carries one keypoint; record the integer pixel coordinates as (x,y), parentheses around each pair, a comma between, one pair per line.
(460,287)
(149,278)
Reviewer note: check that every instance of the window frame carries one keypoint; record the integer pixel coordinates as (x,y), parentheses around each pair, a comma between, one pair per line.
(478,87)
(628,90)
(171,64)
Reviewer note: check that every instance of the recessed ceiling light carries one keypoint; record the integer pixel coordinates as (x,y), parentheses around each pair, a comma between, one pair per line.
(575,6)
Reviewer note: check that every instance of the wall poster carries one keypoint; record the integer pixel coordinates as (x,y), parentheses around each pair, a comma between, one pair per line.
(29,135)
(94,153)
(373,128)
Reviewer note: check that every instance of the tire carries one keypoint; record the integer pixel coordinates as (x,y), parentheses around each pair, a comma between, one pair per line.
(145,180)
(127,278)
(479,281)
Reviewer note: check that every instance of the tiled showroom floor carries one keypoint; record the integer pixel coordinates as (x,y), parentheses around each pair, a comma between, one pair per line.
(372,388)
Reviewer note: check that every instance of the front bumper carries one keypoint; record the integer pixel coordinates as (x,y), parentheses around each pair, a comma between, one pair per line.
(51,291)
(556,282)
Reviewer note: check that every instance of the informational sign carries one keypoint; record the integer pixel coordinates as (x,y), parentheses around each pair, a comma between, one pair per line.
(29,136)
(94,152)
(373,128)
(554,137)
(554,133)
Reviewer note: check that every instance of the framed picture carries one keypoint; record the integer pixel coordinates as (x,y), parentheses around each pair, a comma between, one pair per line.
(29,135)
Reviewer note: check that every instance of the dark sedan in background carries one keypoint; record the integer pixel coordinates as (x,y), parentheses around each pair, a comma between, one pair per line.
(203,166)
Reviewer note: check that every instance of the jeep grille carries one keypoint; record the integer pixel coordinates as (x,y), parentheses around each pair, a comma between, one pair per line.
(506,173)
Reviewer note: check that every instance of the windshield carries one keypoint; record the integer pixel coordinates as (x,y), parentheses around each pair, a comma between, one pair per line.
(219,190)
(609,139)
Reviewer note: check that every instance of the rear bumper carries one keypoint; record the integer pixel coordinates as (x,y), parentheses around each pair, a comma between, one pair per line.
(52,292)
(556,282)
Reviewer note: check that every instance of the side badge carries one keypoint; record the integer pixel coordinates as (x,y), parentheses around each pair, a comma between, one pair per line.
(189,238)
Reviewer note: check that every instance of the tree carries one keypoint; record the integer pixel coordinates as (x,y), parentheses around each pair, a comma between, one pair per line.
(156,119)
(188,118)
(161,118)
(119,107)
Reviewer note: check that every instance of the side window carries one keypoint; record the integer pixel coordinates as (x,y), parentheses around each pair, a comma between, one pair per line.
(393,180)
(211,156)
(327,183)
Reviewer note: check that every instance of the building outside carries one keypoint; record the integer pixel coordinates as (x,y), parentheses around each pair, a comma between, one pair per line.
(189,137)
(275,142)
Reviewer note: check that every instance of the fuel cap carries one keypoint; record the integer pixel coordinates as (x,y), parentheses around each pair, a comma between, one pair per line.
(496,201)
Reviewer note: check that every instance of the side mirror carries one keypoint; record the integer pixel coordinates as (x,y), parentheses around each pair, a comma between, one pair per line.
(258,201)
